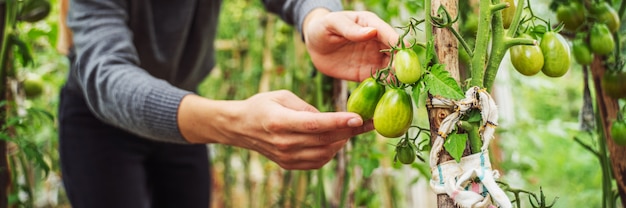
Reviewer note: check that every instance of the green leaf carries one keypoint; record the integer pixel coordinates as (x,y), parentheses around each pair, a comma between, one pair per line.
(474,116)
(417,90)
(439,82)
(431,53)
(368,165)
(455,145)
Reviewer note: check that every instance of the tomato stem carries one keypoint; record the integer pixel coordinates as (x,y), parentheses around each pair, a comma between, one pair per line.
(482,42)
(498,49)
(499,6)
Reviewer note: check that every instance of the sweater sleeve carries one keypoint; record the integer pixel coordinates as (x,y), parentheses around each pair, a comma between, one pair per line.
(107,72)
(294,11)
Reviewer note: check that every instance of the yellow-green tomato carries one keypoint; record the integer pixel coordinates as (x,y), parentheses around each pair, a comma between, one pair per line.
(407,66)
(605,13)
(394,113)
(556,54)
(364,98)
(582,53)
(526,59)
(601,40)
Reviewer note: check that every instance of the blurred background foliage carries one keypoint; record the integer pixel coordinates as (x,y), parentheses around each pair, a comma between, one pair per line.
(259,52)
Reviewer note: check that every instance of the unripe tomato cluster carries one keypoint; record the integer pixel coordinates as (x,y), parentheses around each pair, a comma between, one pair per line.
(551,56)
(389,105)
(601,23)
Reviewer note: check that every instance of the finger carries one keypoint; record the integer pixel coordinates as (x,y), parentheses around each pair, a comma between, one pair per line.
(289,100)
(301,117)
(311,158)
(303,141)
(309,122)
(362,26)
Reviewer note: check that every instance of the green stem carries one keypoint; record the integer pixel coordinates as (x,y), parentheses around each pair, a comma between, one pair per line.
(588,148)
(482,42)
(10,12)
(605,165)
(428,25)
(473,134)
(498,50)
(618,50)
(461,40)
(509,42)
(345,188)
(622,9)
(321,193)
(497,7)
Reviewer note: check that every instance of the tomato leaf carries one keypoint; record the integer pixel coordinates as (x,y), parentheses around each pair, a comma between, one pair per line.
(455,145)
(439,82)
(368,165)
(431,53)
(474,116)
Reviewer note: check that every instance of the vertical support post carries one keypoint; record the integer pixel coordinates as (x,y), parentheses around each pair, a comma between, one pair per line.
(446,47)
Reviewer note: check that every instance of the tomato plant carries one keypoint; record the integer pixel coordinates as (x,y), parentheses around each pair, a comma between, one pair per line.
(407,66)
(556,54)
(527,59)
(601,40)
(394,113)
(364,98)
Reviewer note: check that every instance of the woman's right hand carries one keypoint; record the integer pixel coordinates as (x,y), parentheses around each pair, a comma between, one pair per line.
(277,124)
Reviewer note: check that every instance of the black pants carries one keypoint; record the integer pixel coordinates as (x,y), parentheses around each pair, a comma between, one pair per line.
(103,166)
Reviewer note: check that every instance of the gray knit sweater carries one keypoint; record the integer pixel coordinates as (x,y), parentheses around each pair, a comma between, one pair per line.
(136,59)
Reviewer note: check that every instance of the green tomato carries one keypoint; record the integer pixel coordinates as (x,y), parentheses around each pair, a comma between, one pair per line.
(572,15)
(405,153)
(407,66)
(618,132)
(394,113)
(614,84)
(601,40)
(364,98)
(526,59)
(508,13)
(606,14)
(556,57)
(581,51)
(33,86)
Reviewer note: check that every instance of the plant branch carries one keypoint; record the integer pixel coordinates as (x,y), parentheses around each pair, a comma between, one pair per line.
(464,43)
(482,41)
(498,50)
(497,7)
(587,147)
(473,134)
(519,41)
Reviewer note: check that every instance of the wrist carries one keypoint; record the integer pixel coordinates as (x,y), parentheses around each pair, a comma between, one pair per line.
(199,119)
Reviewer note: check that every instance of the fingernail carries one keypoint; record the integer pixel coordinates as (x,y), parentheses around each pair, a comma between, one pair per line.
(355,122)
